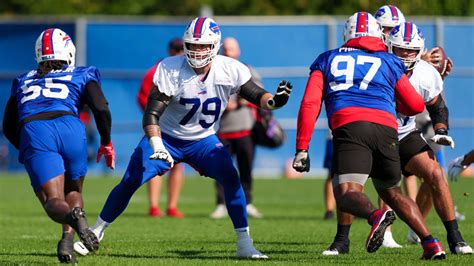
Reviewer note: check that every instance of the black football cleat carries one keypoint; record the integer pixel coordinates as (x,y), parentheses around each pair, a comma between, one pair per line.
(66,251)
(337,248)
(77,220)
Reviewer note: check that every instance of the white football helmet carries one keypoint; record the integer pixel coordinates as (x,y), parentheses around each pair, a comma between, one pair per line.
(55,44)
(202,30)
(407,36)
(361,24)
(389,17)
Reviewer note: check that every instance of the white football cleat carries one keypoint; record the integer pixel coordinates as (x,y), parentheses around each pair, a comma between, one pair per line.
(389,242)
(253,212)
(220,212)
(81,249)
(462,248)
(412,237)
(245,249)
(455,168)
(331,252)
(459,216)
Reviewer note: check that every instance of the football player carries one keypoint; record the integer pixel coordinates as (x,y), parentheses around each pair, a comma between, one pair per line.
(190,94)
(406,41)
(359,82)
(41,120)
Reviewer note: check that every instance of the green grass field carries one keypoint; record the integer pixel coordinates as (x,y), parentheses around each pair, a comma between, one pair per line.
(292,232)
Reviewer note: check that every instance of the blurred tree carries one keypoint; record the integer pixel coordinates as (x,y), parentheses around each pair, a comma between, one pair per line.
(233,7)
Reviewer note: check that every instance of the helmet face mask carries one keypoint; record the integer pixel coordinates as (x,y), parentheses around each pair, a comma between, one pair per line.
(201,32)
(406,36)
(389,17)
(55,44)
(361,24)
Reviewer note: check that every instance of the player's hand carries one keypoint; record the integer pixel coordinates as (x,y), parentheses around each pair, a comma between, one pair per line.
(281,96)
(163,155)
(431,56)
(159,151)
(301,162)
(109,154)
(441,137)
(449,68)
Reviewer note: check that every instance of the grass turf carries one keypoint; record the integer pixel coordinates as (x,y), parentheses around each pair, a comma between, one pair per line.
(292,232)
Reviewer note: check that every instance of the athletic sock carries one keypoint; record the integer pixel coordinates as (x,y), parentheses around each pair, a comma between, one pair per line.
(99,226)
(342,232)
(242,233)
(453,233)
(426,238)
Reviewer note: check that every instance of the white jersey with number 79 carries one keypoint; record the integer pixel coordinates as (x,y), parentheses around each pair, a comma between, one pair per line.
(198,101)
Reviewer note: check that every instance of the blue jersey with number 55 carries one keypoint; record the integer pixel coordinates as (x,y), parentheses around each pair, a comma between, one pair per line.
(359,78)
(59,90)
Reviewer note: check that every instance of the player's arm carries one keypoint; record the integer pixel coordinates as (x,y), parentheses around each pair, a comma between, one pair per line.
(409,102)
(439,115)
(157,103)
(99,106)
(307,115)
(255,94)
(10,122)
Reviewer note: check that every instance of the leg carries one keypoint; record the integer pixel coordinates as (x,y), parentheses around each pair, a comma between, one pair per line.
(221,210)
(175,182)
(424,165)
(215,161)
(351,199)
(154,190)
(244,151)
(406,209)
(329,201)
(410,186)
(424,200)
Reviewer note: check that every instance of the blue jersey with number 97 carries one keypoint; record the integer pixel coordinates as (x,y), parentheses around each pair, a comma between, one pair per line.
(359,78)
(59,90)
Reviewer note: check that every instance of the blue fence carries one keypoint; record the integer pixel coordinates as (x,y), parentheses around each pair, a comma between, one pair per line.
(279,48)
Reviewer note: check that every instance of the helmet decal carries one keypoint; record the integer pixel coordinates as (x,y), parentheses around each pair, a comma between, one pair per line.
(198,27)
(47,42)
(408,30)
(394,12)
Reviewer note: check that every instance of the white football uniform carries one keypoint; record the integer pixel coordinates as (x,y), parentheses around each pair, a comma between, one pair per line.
(429,84)
(198,101)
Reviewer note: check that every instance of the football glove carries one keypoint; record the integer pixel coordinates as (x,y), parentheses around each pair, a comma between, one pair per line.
(301,162)
(281,96)
(159,151)
(109,154)
(441,137)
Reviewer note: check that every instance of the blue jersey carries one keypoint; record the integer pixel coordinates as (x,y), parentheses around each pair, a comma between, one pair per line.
(359,78)
(59,90)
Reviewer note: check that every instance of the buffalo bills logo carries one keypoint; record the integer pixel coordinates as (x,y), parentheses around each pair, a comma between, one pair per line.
(395,30)
(202,91)
(214,28)
(421,34)
(67,40)
(380,13)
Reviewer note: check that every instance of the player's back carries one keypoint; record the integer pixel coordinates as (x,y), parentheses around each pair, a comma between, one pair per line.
(360,79)
(58,91)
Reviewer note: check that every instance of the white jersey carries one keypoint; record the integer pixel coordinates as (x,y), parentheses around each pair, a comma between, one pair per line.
(429,84)
(197,101)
